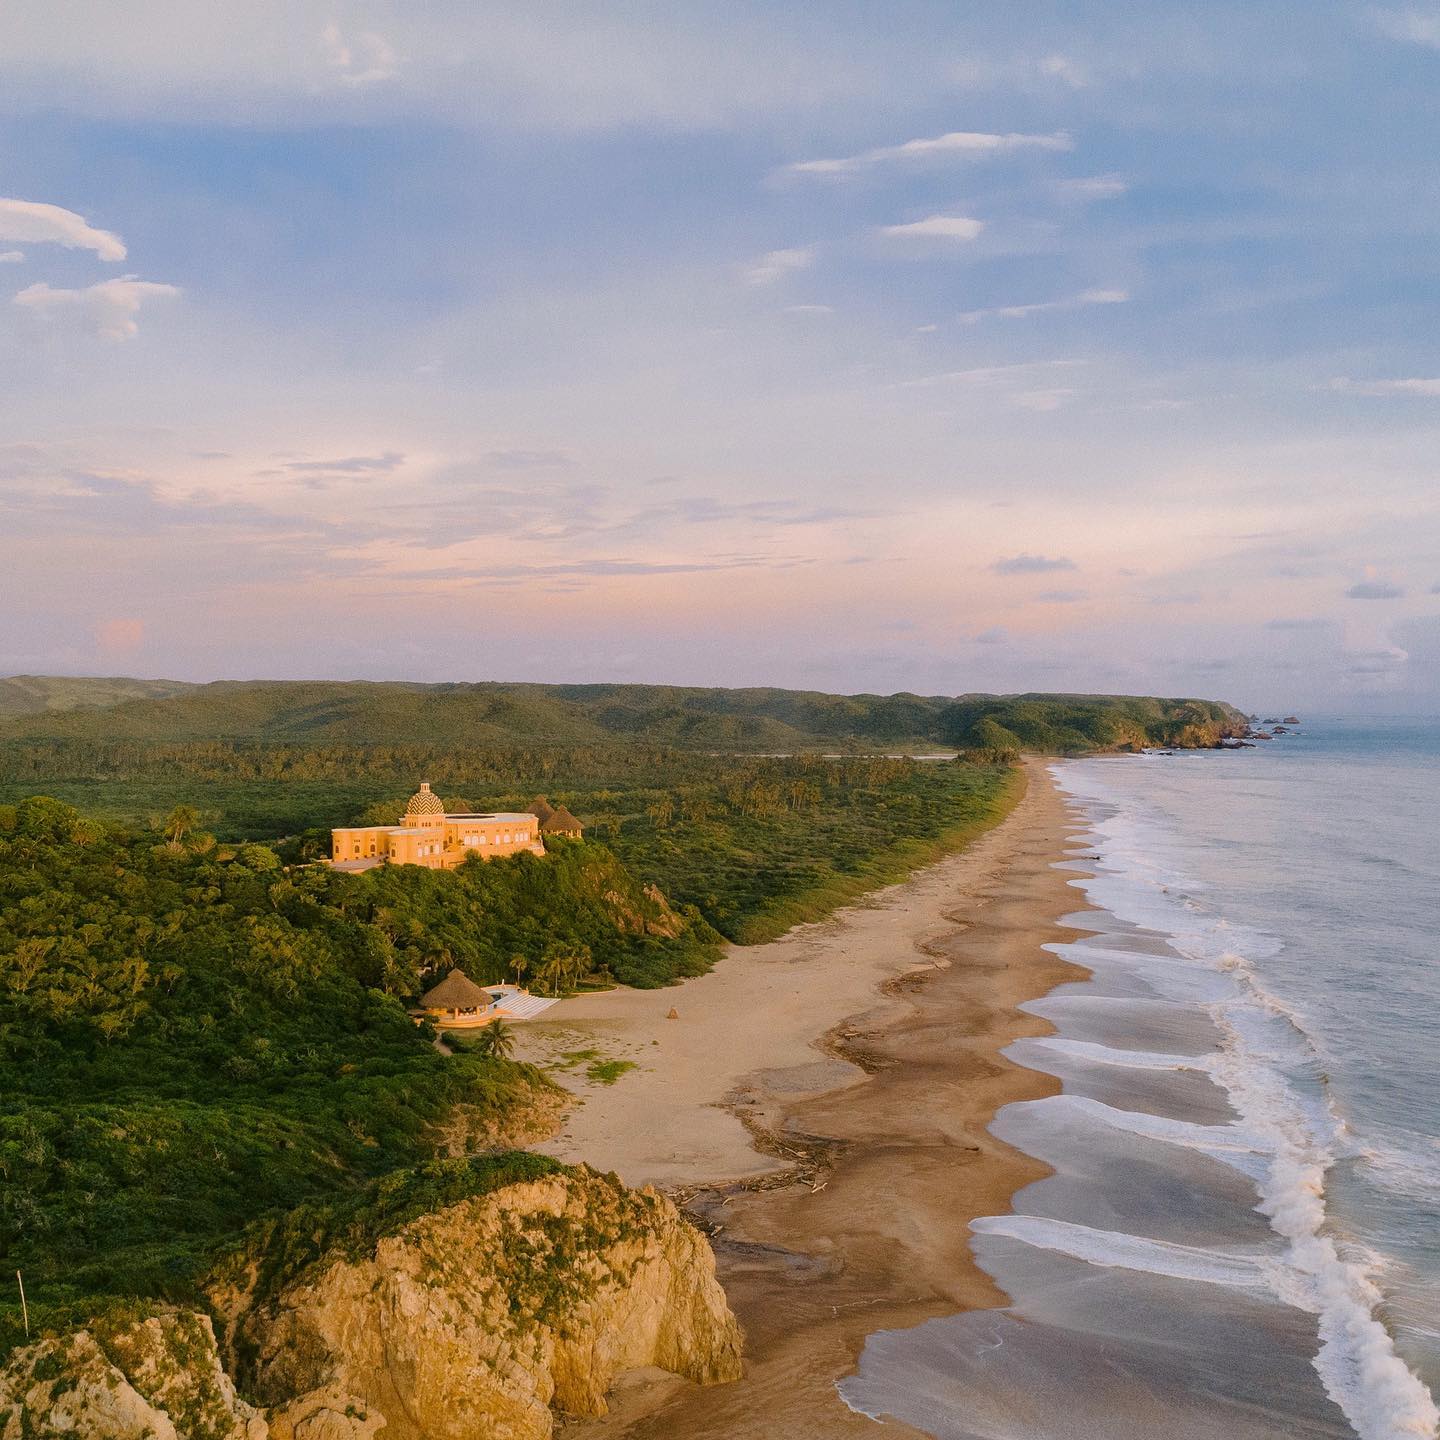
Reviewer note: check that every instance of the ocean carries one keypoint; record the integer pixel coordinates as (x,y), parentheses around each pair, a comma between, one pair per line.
(1241,1238)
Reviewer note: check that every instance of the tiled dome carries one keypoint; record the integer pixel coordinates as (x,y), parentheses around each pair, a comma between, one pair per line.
(424,802)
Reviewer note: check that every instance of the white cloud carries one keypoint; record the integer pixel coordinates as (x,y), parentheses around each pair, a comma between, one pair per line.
(809,309)
(1027,564)
(1042,401)
(1063,68)
(366,60)
(1093,187)
(957,145)
(107,309)
(1416,385)
(936,227)
(33,223)
(1073,302)
(985,374)
(11,257)
(779,263)
(1412,26)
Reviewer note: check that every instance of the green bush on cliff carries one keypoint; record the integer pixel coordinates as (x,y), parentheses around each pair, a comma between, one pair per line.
(350,1225)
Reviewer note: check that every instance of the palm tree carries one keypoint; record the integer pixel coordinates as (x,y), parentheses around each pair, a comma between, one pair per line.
(576,964)
(179,823)
(550,974)
(495,1042)
(519,964)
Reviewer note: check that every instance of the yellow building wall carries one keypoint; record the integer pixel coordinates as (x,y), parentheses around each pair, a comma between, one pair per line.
(437,842)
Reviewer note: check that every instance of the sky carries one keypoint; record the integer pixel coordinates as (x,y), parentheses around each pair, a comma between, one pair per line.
(939,347)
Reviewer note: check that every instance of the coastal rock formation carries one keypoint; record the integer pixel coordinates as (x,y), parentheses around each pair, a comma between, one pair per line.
(156,1378)
(473,1320)
(477,1319)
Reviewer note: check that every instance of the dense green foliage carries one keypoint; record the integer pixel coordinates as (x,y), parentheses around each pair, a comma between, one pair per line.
(192,1037)
(765,845)
(755,844)
(760,720)
(664,775)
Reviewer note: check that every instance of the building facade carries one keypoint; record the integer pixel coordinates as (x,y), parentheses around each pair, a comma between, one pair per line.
(427,836)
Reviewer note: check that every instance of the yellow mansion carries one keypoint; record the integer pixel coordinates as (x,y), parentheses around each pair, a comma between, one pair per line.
(427,836)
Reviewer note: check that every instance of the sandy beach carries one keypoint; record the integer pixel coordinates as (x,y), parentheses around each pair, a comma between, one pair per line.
(821,1103)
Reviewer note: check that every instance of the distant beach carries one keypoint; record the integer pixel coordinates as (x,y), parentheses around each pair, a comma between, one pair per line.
(861,1055)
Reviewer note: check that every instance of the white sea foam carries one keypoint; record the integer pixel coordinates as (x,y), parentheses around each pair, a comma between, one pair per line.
(1293,1126)
(1232,1142)
(1115,1249)
(1128,1059)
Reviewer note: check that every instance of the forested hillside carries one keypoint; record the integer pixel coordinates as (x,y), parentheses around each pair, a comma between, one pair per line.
(192,1037)
(755,844)
(756,721)
(757,806)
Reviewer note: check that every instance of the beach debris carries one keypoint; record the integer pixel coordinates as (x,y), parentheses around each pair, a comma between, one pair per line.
(674,1014)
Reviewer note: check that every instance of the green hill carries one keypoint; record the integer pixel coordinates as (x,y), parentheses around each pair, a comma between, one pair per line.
(42,694)
(192,1037)
(494,714)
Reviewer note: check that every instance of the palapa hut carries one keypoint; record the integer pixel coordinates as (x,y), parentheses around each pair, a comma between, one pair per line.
(562,822)
(541,808)
(458,1000)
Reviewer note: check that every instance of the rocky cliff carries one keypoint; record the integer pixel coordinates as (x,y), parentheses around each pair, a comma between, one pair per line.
(128,1377)
(481,1319)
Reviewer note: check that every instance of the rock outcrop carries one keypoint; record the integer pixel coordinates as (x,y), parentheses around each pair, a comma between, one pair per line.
(666,923)
(478,1319)
(152,1378)
(482,1318)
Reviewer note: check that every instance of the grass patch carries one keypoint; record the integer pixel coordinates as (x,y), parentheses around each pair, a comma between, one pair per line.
(607,1072)
(570,1059)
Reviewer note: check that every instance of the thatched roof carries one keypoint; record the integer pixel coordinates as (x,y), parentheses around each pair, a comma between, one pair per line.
(457,991)
(560,822)
(540,808)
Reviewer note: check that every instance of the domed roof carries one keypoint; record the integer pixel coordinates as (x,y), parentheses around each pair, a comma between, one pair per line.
(424,802)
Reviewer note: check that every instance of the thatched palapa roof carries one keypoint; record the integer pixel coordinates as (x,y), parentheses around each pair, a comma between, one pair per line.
(457,991)
(560,822)
(540,808)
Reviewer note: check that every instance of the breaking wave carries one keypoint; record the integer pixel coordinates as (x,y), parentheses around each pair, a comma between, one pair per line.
(1269,1068)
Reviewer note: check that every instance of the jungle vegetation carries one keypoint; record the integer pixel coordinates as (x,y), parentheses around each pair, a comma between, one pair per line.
(193,1037)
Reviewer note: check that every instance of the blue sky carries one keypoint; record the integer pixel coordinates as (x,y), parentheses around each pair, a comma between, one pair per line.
(931,346)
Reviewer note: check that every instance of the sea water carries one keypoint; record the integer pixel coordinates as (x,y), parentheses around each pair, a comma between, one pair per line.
(1242,1234)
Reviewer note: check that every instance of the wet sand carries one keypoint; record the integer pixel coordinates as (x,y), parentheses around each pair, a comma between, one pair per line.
(822,1104)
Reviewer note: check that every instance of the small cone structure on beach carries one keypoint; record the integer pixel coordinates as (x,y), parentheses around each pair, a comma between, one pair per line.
(674,1014)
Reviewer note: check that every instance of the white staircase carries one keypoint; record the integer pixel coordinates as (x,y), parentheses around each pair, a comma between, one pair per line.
(523,1007)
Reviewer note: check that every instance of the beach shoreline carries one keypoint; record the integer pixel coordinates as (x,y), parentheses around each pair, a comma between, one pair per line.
(821,1104)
